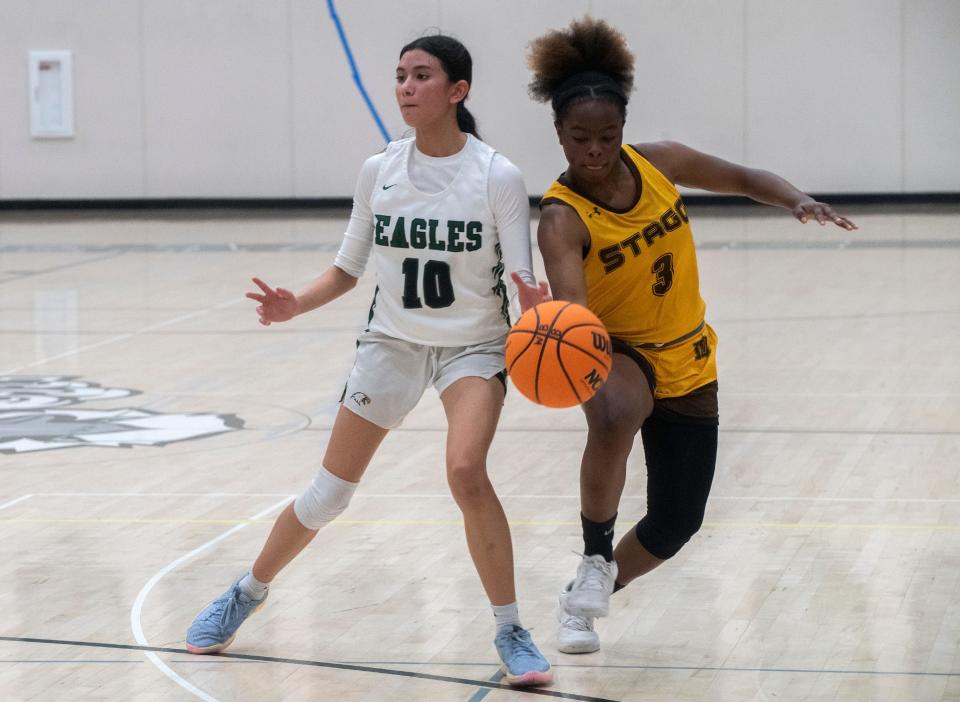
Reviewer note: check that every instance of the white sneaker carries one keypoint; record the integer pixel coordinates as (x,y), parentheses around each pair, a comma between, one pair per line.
(576,634)
(590,594)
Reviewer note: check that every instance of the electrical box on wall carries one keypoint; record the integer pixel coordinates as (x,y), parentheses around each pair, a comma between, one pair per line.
(51,94)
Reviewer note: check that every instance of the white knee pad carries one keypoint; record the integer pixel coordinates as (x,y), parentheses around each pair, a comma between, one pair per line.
(324,500)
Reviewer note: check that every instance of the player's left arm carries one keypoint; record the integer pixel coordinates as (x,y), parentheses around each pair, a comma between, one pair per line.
(511,211)
(695,169)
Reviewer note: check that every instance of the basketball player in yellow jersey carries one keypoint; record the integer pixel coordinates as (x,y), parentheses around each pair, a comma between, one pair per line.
(615,237)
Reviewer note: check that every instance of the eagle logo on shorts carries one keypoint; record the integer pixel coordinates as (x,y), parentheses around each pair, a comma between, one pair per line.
(360,399)
(34,417)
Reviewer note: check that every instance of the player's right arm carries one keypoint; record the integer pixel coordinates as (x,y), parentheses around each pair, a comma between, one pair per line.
(279,305)
(562,238)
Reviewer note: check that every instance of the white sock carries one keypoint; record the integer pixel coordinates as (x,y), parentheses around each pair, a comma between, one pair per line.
(253,588)
(506,615)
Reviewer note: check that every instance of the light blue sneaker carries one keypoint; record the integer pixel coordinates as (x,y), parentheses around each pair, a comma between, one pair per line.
(522,663)
(216,626)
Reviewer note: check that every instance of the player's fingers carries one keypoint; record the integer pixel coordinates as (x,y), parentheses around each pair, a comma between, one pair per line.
(257,297)
(284,293)
(263,286)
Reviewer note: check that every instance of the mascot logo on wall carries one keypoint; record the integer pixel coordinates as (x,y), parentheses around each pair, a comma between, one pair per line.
(36,415)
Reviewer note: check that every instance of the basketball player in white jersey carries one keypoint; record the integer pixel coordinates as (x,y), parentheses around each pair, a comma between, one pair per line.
(444,216)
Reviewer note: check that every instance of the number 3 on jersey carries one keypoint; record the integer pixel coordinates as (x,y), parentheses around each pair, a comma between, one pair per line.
(663,269)
(437,285)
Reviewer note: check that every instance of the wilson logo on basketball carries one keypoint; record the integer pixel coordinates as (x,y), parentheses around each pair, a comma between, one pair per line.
(549,331)
(601,342)
(594,379)
(558,354)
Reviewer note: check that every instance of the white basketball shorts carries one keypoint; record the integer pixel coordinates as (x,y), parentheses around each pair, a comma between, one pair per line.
(390,375)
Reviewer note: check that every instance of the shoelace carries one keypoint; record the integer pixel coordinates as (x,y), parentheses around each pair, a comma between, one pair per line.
(524,644)
(572,621)
(597,572)
(221,616)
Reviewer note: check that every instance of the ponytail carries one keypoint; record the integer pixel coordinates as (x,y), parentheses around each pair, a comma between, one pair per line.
(466,121)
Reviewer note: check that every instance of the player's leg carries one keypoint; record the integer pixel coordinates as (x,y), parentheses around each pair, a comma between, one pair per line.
(353,441)
(614,416)
(386,382)
(681,454)
(680,446)
(472,405)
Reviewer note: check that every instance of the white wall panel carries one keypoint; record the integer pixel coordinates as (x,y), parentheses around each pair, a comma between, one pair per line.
(932,95)
(690,73)
(105,157)
(334,131)
(497,33)
(254,98)
(217,77)
(823,102)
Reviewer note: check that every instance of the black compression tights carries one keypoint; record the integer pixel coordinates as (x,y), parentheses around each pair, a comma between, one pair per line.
(681,454)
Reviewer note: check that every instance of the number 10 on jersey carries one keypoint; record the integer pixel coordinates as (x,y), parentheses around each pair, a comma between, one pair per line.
(437,285)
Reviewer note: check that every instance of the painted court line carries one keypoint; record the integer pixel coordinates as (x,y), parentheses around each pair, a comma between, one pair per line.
(153,650)
(122,337)
(11,503)
(137,609)
(129,335)
(370,666)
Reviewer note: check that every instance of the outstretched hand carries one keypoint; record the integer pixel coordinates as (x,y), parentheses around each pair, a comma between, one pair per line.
(823,213)
(275,305)
(528,295)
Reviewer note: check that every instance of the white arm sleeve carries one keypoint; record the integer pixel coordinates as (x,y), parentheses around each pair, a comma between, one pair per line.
(511,211)
(358,239)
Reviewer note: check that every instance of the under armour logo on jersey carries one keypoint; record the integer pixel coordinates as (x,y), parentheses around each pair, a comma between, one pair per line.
(360,398)
(387,187)
(596,211)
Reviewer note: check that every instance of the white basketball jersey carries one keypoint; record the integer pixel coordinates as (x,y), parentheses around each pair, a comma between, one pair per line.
(437,256)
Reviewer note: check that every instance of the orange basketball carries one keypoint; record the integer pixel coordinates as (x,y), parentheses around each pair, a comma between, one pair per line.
(558,354)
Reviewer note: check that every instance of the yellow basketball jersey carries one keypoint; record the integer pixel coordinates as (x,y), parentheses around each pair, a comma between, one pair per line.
(641,268)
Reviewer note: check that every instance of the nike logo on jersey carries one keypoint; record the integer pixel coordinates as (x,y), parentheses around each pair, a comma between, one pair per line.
(387,187)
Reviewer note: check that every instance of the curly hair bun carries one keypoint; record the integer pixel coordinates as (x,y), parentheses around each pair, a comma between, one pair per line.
(587,46)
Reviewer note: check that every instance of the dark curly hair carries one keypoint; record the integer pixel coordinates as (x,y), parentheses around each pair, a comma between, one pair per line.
(587,61)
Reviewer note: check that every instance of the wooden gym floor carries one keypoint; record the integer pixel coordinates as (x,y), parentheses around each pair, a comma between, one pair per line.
(165,428)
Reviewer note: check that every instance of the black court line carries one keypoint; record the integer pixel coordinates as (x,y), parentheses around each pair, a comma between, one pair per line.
(814,671)
(16,276)
(483,692)
(319,664)
(492,683)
